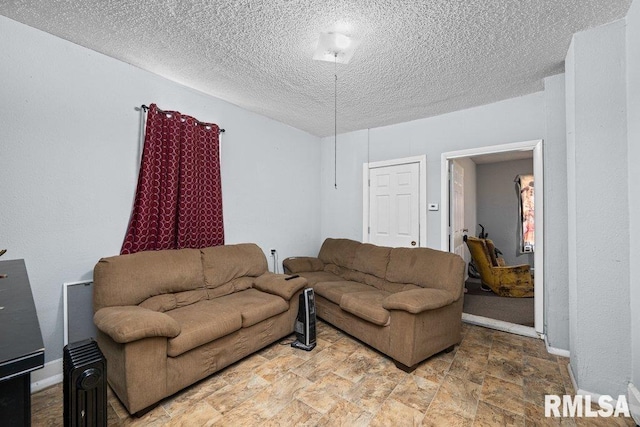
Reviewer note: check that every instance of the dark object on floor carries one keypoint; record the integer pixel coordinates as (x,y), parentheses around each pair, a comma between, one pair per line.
(85,385)
(305,326)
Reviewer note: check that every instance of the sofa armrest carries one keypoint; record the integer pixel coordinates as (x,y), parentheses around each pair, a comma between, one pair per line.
(303,263)
(277,285)
(130,323)
(418,300)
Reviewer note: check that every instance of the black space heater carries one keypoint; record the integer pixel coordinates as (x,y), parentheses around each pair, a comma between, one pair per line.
(306,322)
(85,385)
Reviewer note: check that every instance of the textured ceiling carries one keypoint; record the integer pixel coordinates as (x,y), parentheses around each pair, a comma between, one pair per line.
(416,58)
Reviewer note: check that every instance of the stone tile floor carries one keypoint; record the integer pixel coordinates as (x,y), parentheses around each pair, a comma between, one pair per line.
(492,378)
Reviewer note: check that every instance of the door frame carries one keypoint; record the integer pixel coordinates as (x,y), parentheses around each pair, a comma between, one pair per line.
(422,193)
(538,256)
(451,235)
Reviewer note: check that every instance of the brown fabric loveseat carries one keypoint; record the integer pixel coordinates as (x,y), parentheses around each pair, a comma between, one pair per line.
(405,302)
(167,319)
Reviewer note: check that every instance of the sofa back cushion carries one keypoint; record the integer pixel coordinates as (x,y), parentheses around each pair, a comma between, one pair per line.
(352,255)
(371,259)
(340,252)
(222,264)
(428,268)
(131,279)
(166,302)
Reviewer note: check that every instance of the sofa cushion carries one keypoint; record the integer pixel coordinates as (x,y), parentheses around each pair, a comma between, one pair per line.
(201,323)
(371,259)
(428,268)
(253,305)
(131,279)
(333,291)
(320,276)
(222,264)
(236,285)
(168,302)
(300,264)
(418,300)
(367,305)
(339,251)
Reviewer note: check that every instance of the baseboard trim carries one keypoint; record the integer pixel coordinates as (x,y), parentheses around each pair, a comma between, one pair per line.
(500,325)
(50,374)
(573,379)
(554,350)
(596,396)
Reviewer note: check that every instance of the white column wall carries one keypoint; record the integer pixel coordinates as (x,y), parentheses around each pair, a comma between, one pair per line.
(633,129)
(598,210)
(556,295)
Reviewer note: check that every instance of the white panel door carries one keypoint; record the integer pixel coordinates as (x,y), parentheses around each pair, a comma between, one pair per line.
(457,209)
(394,205)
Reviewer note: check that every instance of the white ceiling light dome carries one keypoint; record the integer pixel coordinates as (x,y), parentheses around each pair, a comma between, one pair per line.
(335,47)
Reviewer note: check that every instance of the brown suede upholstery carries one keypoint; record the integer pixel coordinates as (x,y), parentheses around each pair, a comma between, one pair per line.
(167,319)
(507,281)
(367,305)
(131,323)
(405,302)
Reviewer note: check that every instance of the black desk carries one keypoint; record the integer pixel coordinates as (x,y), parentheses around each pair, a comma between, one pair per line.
(21,348)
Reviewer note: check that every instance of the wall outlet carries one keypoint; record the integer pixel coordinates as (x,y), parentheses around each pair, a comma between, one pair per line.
(272,251)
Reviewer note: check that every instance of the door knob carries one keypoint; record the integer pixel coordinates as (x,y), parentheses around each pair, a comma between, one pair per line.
(413,243)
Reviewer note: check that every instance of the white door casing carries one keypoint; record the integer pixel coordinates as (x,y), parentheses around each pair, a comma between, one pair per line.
(394,202)
(536,147)
(457,211)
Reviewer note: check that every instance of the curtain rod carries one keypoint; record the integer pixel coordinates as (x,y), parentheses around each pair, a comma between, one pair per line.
(145,108)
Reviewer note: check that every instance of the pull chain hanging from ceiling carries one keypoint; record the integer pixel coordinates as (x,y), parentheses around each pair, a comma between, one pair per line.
(335,121)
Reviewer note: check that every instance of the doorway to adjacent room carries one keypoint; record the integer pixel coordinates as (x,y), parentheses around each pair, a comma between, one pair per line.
(454,226)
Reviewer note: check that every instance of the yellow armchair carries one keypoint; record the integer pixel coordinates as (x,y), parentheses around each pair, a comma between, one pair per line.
(506,281)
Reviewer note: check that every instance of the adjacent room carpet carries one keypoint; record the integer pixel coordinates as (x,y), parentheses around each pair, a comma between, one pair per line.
(488,304)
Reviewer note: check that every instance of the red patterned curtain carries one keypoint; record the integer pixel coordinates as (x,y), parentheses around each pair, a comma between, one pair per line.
(178,201)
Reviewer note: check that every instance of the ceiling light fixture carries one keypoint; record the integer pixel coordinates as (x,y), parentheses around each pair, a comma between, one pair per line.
(335,47)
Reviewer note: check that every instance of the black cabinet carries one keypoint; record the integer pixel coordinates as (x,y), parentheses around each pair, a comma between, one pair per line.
(21,347)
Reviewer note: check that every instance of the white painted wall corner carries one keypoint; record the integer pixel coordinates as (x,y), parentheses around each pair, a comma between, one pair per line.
(50,375)
(633,398)
(554,350)
(634,402)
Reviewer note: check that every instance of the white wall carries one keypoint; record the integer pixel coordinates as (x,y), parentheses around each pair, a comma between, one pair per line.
(598,210)
(69,138)
(633,144)
(513,120)
(498,208)
(556,296)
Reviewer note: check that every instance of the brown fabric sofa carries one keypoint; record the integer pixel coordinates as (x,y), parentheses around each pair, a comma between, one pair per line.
(167,319)
(405,302)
